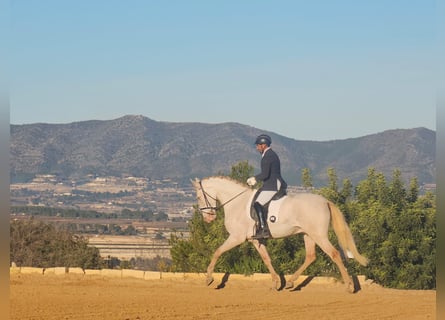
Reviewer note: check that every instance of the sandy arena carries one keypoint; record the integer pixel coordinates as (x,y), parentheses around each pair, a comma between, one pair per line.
(76,296)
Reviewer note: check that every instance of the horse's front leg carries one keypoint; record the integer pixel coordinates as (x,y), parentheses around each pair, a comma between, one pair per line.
(261,248)
(231,242)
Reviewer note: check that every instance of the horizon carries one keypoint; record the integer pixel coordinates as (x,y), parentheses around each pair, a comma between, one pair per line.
(216,123)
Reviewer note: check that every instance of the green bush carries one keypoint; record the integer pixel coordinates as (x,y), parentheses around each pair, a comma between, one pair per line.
(37,244)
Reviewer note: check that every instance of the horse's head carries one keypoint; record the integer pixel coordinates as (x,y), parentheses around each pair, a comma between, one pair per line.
(206,202)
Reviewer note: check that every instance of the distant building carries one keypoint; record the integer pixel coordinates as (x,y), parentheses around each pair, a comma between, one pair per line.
(429,187)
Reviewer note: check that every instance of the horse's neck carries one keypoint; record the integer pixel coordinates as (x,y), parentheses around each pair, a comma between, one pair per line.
(226,189)
(234,198)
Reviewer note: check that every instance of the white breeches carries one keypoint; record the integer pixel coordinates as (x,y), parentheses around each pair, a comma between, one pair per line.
(266,195)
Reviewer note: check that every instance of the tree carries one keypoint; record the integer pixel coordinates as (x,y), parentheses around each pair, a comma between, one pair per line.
(194,253)
(241,171)
(306,178)
(346,191)
(331,191)
(397,236)
(397,192)
(130,231)
(37,244)
(413,191)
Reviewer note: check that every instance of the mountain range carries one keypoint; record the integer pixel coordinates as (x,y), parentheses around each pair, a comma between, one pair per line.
(139,146)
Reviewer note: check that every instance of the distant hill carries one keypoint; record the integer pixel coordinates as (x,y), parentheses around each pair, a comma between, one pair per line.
(139,146)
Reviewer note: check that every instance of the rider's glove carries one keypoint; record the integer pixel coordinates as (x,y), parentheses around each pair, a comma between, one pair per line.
(251,181)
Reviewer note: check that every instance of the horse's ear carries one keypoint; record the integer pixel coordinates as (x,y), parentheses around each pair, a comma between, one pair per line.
(195,181)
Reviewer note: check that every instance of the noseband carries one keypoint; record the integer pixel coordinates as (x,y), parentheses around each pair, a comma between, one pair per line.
(209,206)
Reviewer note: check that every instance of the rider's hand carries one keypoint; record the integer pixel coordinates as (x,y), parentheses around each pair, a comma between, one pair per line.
(251,181)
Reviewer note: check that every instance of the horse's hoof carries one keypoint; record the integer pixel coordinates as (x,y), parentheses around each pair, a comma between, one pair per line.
(350,287)
(277,285)
(289,285)
(209,281)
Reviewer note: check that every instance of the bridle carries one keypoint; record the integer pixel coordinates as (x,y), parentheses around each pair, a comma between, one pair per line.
(208,204)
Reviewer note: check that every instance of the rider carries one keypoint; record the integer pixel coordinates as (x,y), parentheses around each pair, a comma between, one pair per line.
(272,182)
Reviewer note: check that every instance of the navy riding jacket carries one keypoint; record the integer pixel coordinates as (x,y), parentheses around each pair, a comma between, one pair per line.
(270,171)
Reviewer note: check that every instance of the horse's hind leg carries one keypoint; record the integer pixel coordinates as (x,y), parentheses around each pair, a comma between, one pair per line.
(334,254)
(309,245)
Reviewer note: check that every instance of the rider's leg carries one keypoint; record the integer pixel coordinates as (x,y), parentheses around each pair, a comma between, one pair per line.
(262,230)
(259,209)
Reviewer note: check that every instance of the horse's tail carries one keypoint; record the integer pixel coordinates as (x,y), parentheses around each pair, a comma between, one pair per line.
(344,234)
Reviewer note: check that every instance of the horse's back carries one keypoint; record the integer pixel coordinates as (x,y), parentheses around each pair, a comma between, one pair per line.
(305,209)
(307,199)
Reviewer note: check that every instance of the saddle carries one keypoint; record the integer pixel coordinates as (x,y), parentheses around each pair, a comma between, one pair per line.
(280,194)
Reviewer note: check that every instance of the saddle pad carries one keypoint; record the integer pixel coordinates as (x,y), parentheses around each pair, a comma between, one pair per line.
(274,210)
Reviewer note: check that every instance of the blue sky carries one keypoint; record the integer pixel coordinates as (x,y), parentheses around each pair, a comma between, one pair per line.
(308,70)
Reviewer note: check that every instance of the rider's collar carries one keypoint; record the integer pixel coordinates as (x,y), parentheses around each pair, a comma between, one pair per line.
(265,150)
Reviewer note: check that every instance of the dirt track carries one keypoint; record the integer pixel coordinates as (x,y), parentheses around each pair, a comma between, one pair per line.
(70,296)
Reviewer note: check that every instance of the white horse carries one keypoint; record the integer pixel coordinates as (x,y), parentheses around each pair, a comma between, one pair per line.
(304,213)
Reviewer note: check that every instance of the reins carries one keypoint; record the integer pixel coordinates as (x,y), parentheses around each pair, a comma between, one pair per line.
(209,206)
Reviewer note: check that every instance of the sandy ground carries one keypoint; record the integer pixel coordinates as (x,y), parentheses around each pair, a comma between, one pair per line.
(71,296)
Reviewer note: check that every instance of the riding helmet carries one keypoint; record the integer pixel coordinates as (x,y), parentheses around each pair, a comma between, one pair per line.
(263,139)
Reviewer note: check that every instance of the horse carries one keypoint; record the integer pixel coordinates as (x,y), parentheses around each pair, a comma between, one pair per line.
(301,213)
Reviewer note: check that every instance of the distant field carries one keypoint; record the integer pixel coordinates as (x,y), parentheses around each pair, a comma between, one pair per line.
(127,247)
(147,245)
(172,225)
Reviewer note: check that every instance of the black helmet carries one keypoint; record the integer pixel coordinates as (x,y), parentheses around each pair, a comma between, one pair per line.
(263,139)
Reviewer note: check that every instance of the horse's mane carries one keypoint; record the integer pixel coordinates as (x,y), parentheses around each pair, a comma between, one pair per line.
(226,178)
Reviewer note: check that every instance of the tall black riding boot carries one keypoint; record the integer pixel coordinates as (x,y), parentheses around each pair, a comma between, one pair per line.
(262,231)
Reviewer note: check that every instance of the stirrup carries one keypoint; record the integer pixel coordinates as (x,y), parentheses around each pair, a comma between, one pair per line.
(261,234)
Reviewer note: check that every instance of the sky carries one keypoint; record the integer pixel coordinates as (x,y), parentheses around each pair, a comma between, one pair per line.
(307,70)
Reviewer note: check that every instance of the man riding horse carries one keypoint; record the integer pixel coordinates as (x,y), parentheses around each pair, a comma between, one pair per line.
(270,175)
